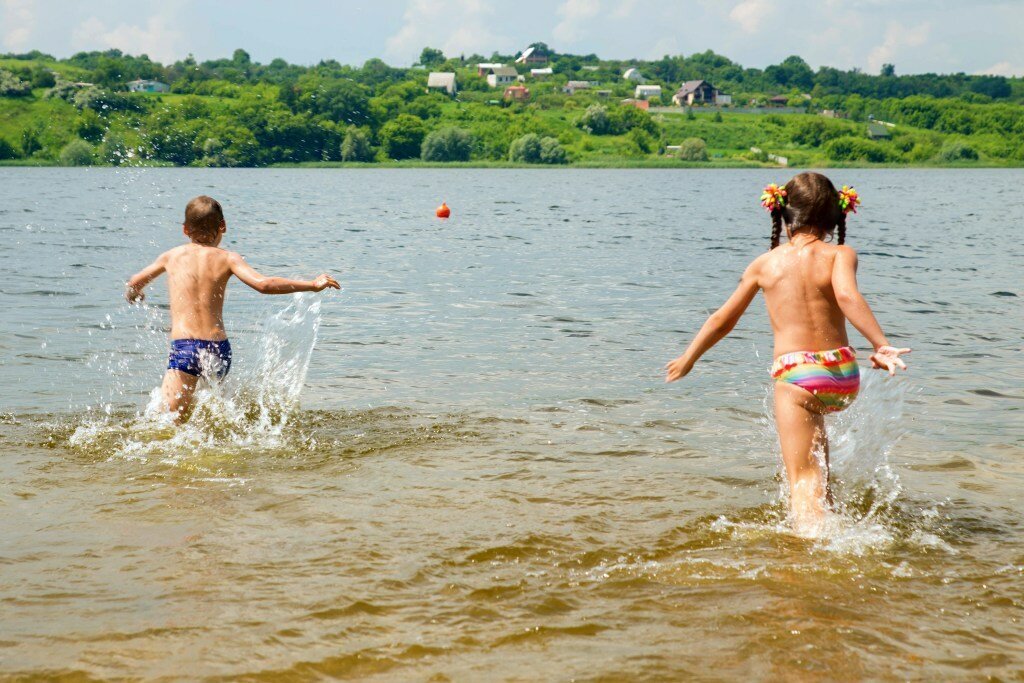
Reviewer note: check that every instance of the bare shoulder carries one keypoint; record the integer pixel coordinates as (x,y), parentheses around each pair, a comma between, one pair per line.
(757,266)
(843,252)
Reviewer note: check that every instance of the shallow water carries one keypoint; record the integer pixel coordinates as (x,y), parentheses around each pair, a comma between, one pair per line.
(480,475)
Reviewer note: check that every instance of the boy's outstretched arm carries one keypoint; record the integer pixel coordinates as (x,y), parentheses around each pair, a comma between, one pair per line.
(277,285)
(133,288)
(717,326)
(855,308)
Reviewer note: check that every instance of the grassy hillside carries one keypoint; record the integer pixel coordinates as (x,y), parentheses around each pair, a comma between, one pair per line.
(236,113)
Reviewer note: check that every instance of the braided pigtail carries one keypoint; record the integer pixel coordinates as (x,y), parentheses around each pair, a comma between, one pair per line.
(773,199)
(776,228)
(849,200)
(841,229)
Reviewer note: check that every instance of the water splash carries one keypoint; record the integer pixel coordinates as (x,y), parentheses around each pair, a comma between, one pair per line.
(250,410)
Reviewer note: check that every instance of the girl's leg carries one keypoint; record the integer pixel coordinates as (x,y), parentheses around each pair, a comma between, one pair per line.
(801,425)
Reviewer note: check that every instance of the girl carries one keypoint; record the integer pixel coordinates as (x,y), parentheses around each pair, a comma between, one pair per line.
(810,288)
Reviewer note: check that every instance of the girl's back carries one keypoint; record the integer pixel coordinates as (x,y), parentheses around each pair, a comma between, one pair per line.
(797,282)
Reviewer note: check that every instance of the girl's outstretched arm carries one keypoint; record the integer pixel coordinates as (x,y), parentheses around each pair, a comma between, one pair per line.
(857,311)
(718,325)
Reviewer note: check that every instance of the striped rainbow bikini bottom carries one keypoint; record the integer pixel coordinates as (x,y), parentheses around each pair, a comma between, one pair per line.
(832,376)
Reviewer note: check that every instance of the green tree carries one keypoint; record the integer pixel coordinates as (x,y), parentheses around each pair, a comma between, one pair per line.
(431,57)
(641,141)
(12,86)
(402,137)
(7,150)
(888,70)
(30,139)
(356,145)
(595,120)
(957,151)
(693,149)
(448,144)
(113,150)
(533,149)
(241,57)
(77,153)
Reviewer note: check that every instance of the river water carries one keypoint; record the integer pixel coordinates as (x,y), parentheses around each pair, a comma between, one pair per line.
(465,465)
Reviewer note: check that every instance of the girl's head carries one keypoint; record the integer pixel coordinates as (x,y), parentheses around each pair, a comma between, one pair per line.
(809,203)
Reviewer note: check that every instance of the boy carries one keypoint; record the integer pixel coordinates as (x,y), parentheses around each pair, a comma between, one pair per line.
(197,277)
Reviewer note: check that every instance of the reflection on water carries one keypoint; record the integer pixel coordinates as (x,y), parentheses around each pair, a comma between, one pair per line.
(483,477)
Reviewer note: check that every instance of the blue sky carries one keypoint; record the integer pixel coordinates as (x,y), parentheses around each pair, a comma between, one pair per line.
(974,36)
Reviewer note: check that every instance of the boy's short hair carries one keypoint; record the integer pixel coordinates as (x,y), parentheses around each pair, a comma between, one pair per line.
(203,218)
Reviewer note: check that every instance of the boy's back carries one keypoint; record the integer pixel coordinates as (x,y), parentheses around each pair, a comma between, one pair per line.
(197,277)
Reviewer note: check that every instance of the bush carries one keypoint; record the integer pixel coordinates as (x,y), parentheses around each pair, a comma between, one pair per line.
(533,149)
(693,149)
(595,120)
(856,149)
(599,120)
(12,86)
(356,145)
(641,141)
(402,137)
(76,153)
(113,150)
(7,150)
(448,144)
(957,151)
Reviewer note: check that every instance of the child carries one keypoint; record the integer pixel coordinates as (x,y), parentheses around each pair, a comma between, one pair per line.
(810,288)
(197,276)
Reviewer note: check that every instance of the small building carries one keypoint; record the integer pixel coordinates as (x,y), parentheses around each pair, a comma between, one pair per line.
(142,85)
(484,68)
(531,56)
(878,131)
(833,114)
(572,86)
(647,92)
(603,93)
(541,73)
(502,76)
(589,67)
(639,104)
(778,101)
(633,74)
(696,92)
(723,99)
(517,93)
(442,80)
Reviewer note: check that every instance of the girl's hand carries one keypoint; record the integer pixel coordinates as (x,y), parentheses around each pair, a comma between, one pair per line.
(888,358)
(677,369)
(323,282)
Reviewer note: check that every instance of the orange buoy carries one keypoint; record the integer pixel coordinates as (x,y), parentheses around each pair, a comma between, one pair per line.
(443,211)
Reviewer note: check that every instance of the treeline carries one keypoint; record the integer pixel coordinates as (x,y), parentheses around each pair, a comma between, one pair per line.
(236,112)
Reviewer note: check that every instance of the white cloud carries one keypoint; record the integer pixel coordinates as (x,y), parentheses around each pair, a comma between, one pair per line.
(19,20)
(1002,69)
(158,38)
(897,36)
(625,9)
(749,14)
(573,13)
(454,26)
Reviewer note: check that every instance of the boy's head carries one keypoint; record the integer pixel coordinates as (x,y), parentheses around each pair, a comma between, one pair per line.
(204,220)
(811,205)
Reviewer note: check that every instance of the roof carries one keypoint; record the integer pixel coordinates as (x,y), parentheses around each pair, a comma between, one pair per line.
(545,70)
(877,130)
(145,80)
(489,65)
(691,86)
(579,85)
(526,54)
(441,79)
(630,72)
(779,98)
(649,87)
(504,71)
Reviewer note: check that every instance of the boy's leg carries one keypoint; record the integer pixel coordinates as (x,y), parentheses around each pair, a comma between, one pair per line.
(802,436)
(177,391)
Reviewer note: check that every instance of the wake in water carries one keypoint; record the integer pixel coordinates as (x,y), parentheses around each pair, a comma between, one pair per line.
(250,409)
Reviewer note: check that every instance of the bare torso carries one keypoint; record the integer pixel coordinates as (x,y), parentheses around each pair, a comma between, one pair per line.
(797,282)
(197,277)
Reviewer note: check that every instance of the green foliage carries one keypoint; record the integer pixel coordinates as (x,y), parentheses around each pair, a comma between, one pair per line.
(857,149)
(717,118)
(356,145)
(957,151)
(77,153)
(431,57)
(114,150)
(600,120)
(12,86)
(693,149)
(534,149)
(402,137)
(641,140)
(89,126)
(7,150)
(448,144)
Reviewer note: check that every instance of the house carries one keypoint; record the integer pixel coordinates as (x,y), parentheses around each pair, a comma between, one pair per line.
(833,114)
(572,86)
(633,74)
(541,73)
(589,67)
(517,93)
(647,92)
(639,104)
(148,86)
(778,101)
(484,68)
(878,131)
(531,56)
(696,92)
(442,80)
(501,76)
(603,93)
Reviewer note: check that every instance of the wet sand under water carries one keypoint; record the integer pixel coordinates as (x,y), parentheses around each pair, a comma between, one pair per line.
(477,475)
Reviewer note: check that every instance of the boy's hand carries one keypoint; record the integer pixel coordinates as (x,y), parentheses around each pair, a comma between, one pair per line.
(888,358)
(133,295)
(677,369)
(323,282)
